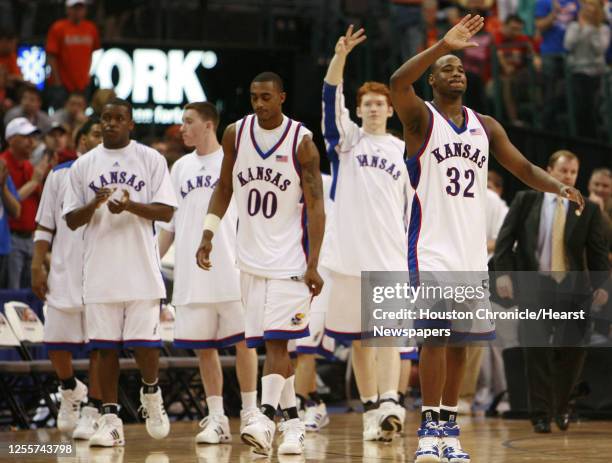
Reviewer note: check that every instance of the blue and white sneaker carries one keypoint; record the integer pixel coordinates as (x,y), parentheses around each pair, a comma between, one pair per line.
(428,450)
(451,447)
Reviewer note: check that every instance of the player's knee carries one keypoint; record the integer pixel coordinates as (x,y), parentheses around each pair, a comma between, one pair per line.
(106,354)
(207,354)
(276,348)
(241,348)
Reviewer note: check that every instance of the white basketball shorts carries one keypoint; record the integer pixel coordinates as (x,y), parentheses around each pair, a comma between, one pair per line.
(343,321)
(124,324)
(65,330)
(274,309)
(209,325)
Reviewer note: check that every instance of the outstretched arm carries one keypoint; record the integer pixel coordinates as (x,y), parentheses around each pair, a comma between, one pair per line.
(308,157)
(410,108)
(339,131)
(531,175)
(220,198)
(344,46)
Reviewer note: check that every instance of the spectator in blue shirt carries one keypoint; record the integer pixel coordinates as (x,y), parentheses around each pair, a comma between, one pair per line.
(552,19)
(9,206)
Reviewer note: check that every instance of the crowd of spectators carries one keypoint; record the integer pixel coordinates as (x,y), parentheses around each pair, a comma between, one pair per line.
(530,51)
(534,57)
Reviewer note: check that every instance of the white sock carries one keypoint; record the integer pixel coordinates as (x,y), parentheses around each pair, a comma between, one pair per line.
(215,404)
(271,389)
(288,398)
(373,398)
(249,400)
(392,394)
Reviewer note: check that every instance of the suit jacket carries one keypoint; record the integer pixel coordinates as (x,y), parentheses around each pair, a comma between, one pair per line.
(586,244)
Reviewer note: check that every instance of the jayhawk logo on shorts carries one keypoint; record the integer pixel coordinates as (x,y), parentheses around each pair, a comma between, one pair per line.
(297,319)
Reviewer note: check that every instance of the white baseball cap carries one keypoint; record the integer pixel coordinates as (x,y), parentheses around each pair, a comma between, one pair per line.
(75,2)
(19,126)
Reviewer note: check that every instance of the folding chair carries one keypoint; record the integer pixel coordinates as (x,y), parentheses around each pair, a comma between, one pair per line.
(28,330)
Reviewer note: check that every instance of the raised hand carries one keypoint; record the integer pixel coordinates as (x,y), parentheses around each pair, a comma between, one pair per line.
(348,41)
(458,38)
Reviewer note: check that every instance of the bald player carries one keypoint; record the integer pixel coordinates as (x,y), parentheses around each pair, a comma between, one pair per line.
(448,153)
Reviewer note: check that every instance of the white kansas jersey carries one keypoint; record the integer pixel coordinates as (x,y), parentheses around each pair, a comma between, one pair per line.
(447,230)
(272,234)
(194,179)
(370,193)
(121,260)
(65,280)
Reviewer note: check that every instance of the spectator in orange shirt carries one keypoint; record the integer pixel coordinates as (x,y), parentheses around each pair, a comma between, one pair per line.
(70,44)
(8,54)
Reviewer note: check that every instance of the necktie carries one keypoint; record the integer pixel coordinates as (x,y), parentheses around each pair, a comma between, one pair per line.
(557,262)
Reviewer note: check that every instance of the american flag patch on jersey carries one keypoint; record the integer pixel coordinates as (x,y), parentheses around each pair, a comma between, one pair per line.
(476,131)
(280,158)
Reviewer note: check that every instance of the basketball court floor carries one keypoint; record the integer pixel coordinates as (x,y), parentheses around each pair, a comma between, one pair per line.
(488,440)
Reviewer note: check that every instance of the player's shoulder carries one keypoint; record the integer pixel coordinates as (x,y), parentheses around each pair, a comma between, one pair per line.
(396,142)
(237,125)
(87,157)
(145,152)
(64,165)
(184,161)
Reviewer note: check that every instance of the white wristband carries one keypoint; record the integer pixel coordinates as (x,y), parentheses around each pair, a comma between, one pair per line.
(42,235)
(211,222)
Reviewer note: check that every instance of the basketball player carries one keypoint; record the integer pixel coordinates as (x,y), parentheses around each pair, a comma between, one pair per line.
(88,136)
(118,190)
(209,312)
(369,189)
(448,148)
(271,165)
(64,330)
(317,343)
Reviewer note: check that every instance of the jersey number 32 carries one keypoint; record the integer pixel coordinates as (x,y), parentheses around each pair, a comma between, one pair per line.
(454,188)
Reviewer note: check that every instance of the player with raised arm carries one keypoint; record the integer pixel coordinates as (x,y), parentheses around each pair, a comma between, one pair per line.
(369,188)
(209,312)
(448,152)
(271,166)
(65,332)
(118,190)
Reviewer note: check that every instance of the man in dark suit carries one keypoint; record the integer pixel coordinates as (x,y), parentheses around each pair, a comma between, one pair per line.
(561,259)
